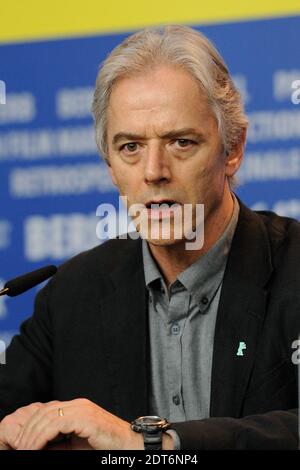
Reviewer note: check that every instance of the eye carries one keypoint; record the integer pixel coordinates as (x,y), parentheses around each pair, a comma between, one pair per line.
(129,147)
(184,142)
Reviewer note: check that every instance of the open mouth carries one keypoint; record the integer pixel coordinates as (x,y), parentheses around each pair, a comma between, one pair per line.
(162,209)
(162,203)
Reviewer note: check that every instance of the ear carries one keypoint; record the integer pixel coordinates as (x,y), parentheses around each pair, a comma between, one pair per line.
(234,159)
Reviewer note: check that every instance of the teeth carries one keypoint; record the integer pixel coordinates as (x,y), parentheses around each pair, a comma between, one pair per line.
(158,204)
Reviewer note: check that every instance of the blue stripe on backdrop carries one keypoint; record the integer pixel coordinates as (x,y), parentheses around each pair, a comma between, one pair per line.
(51,178)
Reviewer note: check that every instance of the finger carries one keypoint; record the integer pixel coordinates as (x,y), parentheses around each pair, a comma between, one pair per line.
(37,431)
(10,434)
(26,413)
(23,414)
(12,424)
(31,423)
(46,431)
(40,420)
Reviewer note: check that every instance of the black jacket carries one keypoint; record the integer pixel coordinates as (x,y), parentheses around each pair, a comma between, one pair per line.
(88,337)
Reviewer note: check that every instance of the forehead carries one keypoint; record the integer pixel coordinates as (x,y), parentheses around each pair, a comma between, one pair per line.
(167,95)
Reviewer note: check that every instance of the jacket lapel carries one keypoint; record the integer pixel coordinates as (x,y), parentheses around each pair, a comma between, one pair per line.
(125,335)
(240,314)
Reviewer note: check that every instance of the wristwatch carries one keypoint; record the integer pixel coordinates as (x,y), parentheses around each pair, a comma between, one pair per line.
(152,428)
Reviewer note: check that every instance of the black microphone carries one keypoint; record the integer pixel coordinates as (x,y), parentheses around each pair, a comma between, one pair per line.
(25,282)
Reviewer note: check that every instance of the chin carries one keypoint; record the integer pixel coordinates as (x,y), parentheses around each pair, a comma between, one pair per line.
(161,242)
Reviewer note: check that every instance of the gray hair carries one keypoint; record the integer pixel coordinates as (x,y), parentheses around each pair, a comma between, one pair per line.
(186,48)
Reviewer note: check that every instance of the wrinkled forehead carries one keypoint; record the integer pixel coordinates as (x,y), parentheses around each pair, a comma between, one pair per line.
(166,96)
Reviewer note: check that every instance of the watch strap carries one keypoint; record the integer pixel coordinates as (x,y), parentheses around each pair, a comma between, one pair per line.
(153,439)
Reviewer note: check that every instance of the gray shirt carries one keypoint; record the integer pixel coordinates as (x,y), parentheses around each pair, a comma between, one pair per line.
(181,325)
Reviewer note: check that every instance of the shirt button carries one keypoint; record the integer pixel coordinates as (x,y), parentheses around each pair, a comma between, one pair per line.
(176,400)
(204,300)
(175,329)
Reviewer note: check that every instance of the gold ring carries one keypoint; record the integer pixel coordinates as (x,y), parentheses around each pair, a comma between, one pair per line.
(60,412)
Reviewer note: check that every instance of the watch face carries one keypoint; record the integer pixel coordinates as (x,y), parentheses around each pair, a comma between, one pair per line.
(151,422)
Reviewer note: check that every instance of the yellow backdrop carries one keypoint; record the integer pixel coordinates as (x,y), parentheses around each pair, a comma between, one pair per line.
(44,19)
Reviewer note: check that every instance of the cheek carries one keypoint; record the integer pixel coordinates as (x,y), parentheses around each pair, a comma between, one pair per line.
(199,177)
(202,184)
(125,186)
(213,171)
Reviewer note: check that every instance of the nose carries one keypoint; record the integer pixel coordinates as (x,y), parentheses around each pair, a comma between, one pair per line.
(157,168)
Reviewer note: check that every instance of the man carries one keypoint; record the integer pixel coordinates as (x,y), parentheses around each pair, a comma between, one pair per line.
(201,336)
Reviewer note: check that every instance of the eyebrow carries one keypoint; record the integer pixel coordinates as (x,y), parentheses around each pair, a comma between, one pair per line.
(166,135)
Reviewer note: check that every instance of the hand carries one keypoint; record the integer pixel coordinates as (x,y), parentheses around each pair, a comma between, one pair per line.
(71,443)
(11,425)
(96,427)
